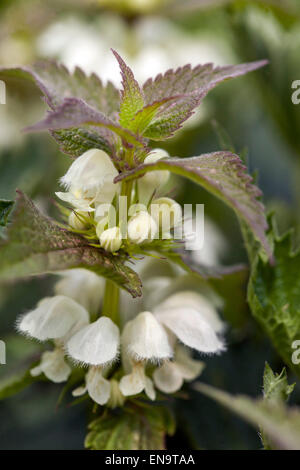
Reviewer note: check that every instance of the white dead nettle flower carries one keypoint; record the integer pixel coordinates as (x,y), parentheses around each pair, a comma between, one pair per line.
(89,181)
(97,344)
(153,180)
(77,220)
(170,376)
(192,320)
(137,382)
(53,365)
(141,227)
(83,286)
(144,339)
(166,212)
(98,388)
(111,239)
(54,318)
(116,397)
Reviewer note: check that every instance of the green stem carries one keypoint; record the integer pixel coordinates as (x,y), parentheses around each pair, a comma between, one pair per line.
(110,306)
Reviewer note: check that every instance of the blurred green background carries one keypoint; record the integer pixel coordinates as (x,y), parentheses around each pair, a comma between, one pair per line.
(253,114)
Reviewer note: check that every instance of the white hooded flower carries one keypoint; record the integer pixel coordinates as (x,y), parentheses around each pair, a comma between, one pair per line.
(98,388)
(111,239)
(141,227)
(152,180)
(137,382)
(89,181)
(166,212)
(193,321)
(54,318)
(96,344)
(53,365)
(143,338)
(170,376)
(83,286)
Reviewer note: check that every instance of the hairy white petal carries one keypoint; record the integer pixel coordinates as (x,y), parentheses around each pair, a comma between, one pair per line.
(76,200)
(54,366)
(96,344)
(97,386)
(167,378)
(189,368)
(197,302)
(83,286)
(54,317)
(90,171)
(144,338)
(79,391)
(136,382)
(190,328)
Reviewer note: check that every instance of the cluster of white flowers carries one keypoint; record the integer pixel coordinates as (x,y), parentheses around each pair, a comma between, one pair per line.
(152,348)
(91,191)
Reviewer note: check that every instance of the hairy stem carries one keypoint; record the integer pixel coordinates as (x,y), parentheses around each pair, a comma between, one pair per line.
(111,301)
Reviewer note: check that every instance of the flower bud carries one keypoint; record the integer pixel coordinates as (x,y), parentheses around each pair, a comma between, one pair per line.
(154,179)
(111,239)
(166,212)
(77,221)
(141,227)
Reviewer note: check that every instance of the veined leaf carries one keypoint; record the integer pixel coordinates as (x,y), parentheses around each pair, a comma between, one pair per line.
(143,118)
(75,112)
(274,298)
(36,245)
(57,83)
(17,382)
(194,84)
(224,175)
(5,209)
(132,428)
(281,424)
(276,386)
(132,97)
(277,390)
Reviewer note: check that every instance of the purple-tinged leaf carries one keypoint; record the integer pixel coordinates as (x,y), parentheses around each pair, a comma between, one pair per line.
(36,245)
(224,175)
(132,97)
(75,112)
(194,83)
(57,83)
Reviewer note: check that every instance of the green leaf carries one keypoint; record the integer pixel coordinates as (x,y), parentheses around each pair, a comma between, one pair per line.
(274,298)
(280,423)
(5,209)
(36,245)
(17,382)
(131,428)
(57,83)
(276,386)
(192,84)
(277,390)
(75,112)
(143,118)
(224,175)
(132,98)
